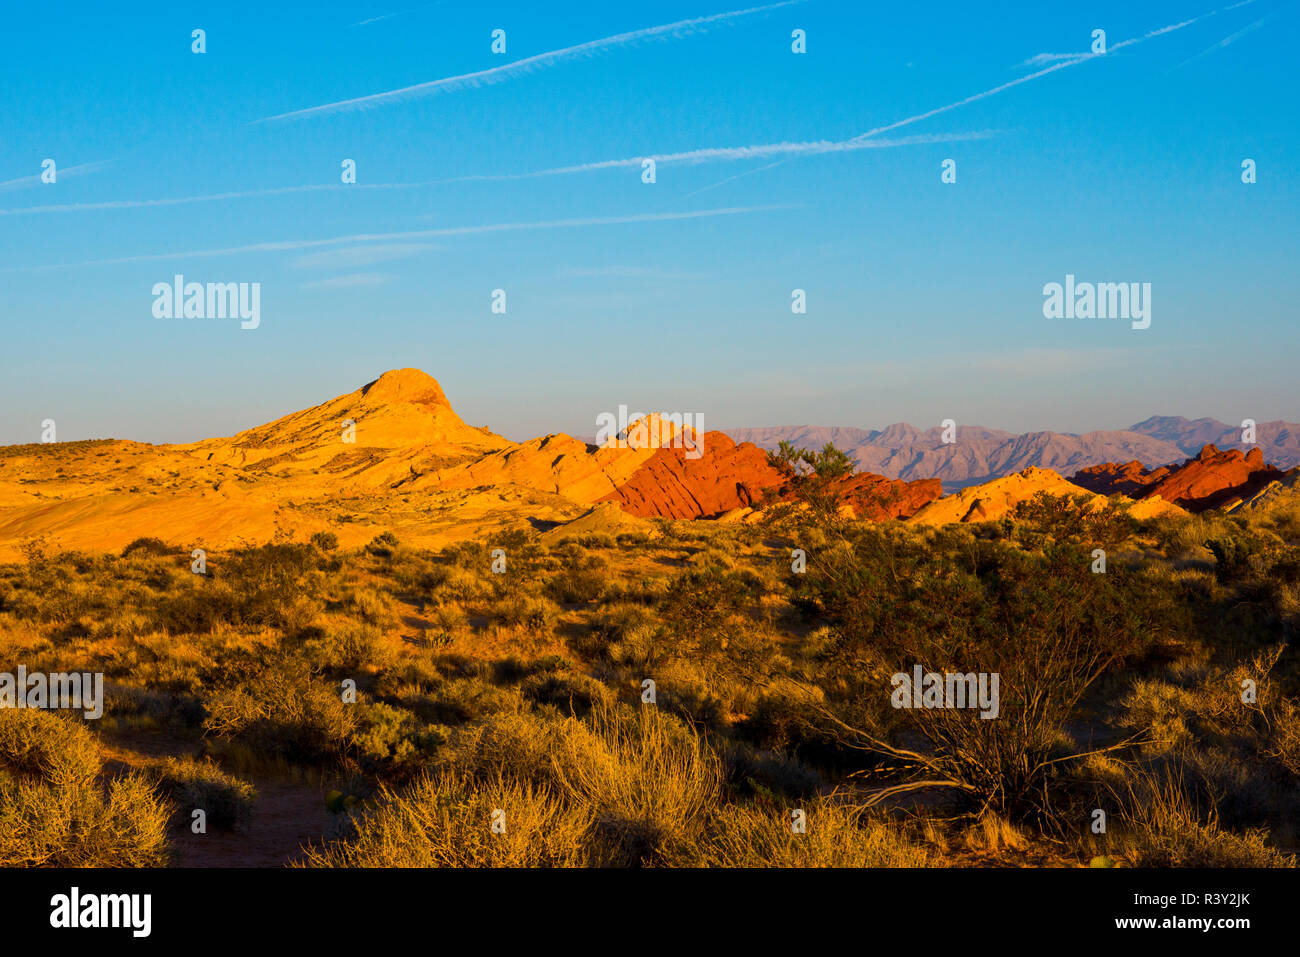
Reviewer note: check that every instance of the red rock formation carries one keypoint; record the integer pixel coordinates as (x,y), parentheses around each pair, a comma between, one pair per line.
(670,485)
(729,476)
(1211,479)
(1131,478)
(878,498)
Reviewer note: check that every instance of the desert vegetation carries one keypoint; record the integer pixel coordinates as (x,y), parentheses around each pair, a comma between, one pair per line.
(687,693)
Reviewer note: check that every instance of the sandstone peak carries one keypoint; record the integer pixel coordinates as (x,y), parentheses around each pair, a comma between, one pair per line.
(406,385)
(992,500)
(652,431)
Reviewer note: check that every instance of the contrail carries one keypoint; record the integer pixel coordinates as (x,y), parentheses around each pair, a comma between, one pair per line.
(693,156)
(1063,65)
(731,153)
(1039,59)
(499,74)
(758,151)
(723,182)
(1249,28)
(211,197)
(294,244)
(389,16)
(861,141)
(362,23)
(35,179)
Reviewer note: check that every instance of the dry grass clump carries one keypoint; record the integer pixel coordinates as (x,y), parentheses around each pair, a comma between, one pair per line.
(1165,823)
(648,779)
(833,836)
(447,820)
(622,787)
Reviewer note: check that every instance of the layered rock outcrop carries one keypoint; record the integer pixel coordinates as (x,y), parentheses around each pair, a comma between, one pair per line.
(1212,479)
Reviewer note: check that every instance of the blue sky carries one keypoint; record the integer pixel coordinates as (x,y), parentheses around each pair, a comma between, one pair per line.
(924,298)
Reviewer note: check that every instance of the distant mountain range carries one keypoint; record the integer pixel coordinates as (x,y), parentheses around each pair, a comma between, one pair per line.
(980,454)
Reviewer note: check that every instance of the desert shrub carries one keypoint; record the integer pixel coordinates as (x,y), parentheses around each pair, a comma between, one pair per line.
(121,825)
(615,623)
(464,699)
(391,740)
(344,648)
(43,746)
(590,540)
(226,800)
(784,717)
(579,583)
(1044,624)
(199,608)
(532,611)
(283,710)
(1075,518)
(1242,753)
(373,605)
(419,573)
(526,561)
(431,578)
(684,687)
(407,676)
(382,545)
(643,591)
(277,565)
(325,541)
(715,556)
(1285,745)
(700,603)
(516,745)
(263,586)
(768,774)
(148,546)
(156,705)
(1236,555)
(568,691)
(464,585)
(450,618)
(640,648)
(446,821)
(55,812)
